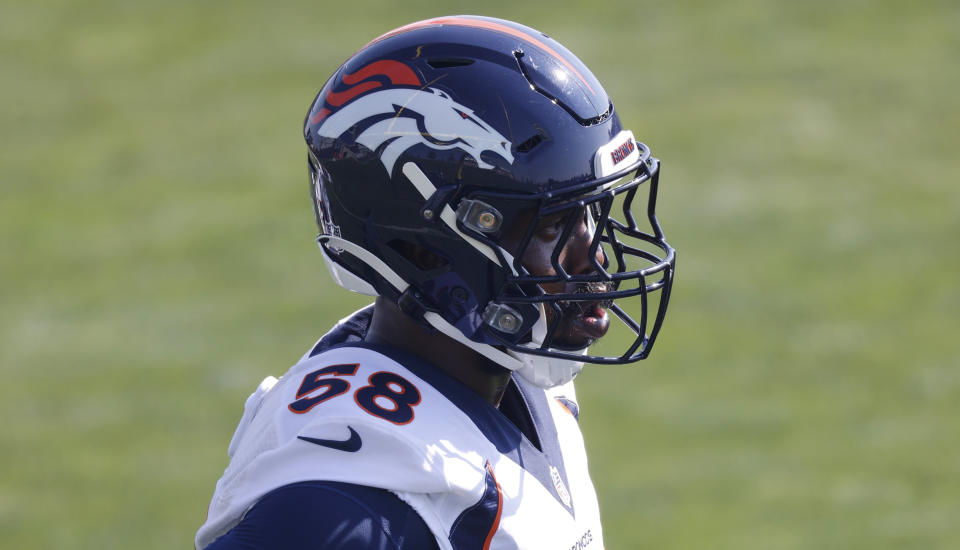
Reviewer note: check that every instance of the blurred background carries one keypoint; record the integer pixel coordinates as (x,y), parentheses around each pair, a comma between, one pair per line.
(157,261)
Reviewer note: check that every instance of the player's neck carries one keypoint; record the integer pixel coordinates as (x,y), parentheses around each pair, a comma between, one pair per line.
(394,328)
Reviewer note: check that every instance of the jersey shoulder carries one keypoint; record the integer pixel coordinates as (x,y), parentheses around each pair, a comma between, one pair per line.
(347,415)
(351,414)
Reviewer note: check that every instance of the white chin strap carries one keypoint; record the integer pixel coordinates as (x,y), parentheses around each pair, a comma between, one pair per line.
(547,372)
(544,372)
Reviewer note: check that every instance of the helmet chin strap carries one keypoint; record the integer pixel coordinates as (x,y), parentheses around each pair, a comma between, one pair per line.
(545,372)
(490,352)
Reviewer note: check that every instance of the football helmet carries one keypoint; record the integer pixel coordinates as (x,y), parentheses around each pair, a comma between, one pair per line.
(474,171)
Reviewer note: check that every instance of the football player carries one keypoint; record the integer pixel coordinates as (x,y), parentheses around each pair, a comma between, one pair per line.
(473,175)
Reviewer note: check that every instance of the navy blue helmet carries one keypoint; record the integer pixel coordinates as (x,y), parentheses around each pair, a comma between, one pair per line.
(441,151)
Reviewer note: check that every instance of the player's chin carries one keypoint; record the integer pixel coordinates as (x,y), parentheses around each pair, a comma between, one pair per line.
(580,329)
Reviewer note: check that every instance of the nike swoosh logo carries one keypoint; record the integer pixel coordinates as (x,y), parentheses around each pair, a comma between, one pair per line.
(350,445)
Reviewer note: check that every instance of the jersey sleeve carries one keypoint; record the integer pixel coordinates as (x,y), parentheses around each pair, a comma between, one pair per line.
(328,515)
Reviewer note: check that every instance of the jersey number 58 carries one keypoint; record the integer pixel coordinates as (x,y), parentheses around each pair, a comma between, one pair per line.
(387,395)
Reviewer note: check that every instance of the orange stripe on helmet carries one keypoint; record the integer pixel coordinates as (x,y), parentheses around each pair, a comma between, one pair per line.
(339,98)
(397,72)
(320,115)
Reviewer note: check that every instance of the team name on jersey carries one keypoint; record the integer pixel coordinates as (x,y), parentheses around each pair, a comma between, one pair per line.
(584,541)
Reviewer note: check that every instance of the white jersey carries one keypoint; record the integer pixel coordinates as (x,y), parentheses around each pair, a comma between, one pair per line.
(354,414)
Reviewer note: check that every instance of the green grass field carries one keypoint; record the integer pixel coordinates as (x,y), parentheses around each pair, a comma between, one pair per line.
(157,261)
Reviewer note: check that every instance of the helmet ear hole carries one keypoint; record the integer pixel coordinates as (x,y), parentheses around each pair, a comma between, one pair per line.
(421,258)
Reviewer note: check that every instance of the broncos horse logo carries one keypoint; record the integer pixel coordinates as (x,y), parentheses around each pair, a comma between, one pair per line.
(404,117)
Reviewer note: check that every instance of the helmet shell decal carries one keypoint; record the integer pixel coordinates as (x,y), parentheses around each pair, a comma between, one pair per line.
(367,78)
(395,119)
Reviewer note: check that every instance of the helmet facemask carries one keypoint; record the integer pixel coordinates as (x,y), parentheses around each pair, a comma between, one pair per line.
(610,298)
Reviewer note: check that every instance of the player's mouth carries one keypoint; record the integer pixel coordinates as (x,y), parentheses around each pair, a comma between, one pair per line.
(583,322)
(593,321)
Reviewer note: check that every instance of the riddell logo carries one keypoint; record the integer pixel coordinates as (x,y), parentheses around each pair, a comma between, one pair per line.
(622,152)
